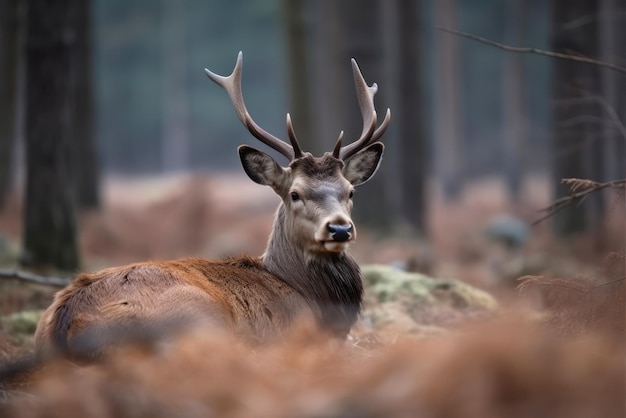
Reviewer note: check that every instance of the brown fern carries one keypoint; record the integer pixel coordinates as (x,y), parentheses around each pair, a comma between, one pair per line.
(578,304)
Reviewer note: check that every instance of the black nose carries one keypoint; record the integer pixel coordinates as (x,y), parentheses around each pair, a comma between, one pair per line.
(340,233)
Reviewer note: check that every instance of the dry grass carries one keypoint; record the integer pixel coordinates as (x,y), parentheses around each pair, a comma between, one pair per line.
(508,368)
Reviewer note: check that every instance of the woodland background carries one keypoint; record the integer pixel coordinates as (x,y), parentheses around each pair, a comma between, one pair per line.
(94,90)
(115,148)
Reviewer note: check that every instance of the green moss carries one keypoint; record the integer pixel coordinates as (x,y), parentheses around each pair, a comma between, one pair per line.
(387,284)
(24,322)
(412,301)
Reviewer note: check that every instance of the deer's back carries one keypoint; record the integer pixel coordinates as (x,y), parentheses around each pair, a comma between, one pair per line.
(237,295)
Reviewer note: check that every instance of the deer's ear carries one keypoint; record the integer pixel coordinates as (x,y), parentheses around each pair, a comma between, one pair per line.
(260,167)
(361,166)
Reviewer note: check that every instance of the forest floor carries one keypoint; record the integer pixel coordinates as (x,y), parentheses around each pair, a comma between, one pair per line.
(216,215)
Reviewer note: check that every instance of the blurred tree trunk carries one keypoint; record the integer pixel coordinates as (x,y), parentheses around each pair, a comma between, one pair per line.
(176,136)
(85,165)
(363,40)
(576,150)
(516,115)
(50,237)
(299,81)
(408,115)
(9,59)
(448,116)
(328,78)
(383,37)
(612,36)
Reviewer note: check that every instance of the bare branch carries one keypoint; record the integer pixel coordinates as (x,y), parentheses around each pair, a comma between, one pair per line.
(34,278)
(535,50)
(585,187)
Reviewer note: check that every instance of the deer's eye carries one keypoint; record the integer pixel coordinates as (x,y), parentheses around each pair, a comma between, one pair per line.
(351,195)
(295,196)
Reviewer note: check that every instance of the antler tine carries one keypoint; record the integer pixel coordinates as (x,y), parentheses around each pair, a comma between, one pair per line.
(382,128)
(365,96)
(297,151)
(232,85)
(337,149)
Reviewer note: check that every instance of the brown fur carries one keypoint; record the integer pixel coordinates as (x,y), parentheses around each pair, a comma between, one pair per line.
(237,294)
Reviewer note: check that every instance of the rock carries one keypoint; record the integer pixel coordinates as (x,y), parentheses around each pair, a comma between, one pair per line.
(399,301)
(8,251)
(24,322)
(393,318)
(512,232)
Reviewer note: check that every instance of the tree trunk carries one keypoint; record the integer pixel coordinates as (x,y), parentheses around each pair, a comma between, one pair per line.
(363,40)
(175,150)
(516,115)
(299,81)
(50,226)
(383,37)
(85,164)
(9,59)
(328,78)
(575,148)
(612,35)
(448,116)
(408,115)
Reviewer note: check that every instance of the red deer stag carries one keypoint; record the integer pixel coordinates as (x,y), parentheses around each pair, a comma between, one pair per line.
(305,269)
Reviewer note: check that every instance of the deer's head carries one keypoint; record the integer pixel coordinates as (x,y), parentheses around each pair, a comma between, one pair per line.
(316,191)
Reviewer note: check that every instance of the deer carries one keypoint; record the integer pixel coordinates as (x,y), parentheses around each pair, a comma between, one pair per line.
(304,272)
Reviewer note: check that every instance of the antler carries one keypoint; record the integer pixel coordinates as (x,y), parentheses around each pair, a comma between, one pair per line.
(370,133)
(232,85)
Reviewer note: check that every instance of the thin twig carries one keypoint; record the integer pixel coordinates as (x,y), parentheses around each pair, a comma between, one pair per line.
(604,104)
(535,50)
(34,278)
(609,283)
(577,197)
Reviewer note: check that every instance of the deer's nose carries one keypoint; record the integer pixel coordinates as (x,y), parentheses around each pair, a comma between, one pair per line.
(340,233)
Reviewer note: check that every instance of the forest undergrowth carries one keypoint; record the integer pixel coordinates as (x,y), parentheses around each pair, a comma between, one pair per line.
(554,347)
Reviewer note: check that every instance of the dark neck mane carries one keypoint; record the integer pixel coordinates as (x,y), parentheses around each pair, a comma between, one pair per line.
(331,283)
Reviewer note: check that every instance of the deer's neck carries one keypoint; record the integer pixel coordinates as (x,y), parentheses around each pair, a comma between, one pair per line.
(331,283)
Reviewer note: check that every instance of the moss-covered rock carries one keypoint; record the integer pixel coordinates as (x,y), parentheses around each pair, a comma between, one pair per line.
(24,322)
(415,303)
(8,251)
